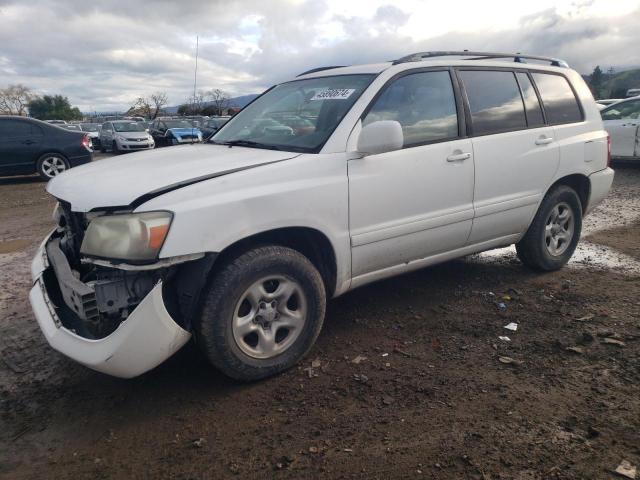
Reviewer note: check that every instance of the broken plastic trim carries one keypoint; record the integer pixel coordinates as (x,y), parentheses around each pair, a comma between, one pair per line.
(162,263)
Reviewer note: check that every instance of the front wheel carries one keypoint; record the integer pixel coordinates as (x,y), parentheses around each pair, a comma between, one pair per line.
(554,233)
(114,148)
(262,312)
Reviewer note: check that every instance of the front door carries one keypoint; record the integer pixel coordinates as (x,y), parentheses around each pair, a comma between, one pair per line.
(622,121)
(418,201)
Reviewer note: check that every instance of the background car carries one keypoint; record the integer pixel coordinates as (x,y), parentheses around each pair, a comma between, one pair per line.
(605,102)
(633,92)
(56,122)
(173,132)
(124,136)
(93,130)
(30,146)
(71,126)
(212,125)
(622,121)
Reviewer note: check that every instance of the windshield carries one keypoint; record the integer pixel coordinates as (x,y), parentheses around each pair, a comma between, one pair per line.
(177,124)
(128,127)
(90,127)
(298,116)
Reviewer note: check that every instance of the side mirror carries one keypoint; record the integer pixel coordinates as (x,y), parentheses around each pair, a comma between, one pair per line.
(380,137)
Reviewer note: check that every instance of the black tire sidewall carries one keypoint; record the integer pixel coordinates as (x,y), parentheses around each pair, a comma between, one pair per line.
(39,170)
(213,330)
(532,249)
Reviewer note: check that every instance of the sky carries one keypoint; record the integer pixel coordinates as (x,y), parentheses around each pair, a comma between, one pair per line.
(103,55)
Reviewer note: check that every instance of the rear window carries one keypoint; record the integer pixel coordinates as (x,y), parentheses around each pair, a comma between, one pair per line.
(560,104)
(14,128)
(494,101)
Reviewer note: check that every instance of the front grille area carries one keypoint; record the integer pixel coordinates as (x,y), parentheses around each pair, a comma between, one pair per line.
(73,226)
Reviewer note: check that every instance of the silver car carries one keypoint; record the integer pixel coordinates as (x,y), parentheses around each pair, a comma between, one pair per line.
(124,136)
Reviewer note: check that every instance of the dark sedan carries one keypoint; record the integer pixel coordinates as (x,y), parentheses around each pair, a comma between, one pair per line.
(30,146)
(212,125)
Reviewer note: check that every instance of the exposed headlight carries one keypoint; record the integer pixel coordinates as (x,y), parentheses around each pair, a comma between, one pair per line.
(131,236)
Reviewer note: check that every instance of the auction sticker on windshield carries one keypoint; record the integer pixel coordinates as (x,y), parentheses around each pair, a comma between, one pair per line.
(333,94)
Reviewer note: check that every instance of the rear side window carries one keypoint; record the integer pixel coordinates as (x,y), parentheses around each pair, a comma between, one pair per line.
(531,102)
(495,102)
(14,128)
(560,104)
(423,103)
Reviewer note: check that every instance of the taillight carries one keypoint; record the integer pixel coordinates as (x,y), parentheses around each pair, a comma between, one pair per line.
(86,142)
(608,150)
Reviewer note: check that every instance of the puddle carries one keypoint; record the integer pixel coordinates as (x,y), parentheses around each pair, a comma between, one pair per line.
(9,246)
(587,254)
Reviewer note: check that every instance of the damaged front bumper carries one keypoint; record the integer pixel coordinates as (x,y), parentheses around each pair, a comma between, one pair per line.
(144,339)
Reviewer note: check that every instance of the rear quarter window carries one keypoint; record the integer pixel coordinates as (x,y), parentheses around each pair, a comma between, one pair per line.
(560,103)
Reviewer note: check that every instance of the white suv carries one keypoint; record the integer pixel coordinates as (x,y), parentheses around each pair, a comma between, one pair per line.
(338,178)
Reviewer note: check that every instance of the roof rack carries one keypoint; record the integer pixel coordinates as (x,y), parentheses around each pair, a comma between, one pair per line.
(517,57)
(319,69)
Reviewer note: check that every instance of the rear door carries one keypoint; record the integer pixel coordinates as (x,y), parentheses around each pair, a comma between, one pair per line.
(622,121)
(19,143)
(515,152)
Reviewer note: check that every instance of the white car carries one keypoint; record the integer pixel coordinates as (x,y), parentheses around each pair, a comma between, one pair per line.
(121,136)
(622,121)
(605,102)
(338,178)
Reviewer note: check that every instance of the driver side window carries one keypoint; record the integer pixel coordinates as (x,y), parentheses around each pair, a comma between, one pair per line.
(625,111)
(424,105)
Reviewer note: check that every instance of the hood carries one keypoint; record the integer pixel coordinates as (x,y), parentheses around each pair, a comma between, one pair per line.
(134,178)
(184,131)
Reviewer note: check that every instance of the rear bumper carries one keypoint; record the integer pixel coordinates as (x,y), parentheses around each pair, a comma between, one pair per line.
(145,339)
(600,185)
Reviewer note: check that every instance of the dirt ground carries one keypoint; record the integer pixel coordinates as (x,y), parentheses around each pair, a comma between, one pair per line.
(408,379)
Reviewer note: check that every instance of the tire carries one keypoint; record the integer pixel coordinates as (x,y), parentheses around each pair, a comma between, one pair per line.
(554,233)
(114,148)
(51,164)
(249,350)
(102,149)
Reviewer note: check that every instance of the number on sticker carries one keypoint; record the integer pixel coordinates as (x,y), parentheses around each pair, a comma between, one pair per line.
(333,94)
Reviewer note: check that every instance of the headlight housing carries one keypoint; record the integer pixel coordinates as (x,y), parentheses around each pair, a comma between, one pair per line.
(135,237)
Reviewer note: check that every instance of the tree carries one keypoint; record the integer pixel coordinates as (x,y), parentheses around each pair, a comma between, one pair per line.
(219,100)
(596,80)
(148,107)
(54,107)
(14,100)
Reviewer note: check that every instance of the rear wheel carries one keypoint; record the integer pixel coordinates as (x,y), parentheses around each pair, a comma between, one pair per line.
(555,231)
(261,313)
(51,164)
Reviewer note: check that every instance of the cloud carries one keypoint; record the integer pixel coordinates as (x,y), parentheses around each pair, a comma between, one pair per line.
(104,54)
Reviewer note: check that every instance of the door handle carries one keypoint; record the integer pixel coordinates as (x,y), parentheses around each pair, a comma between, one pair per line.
(544,141)
(28,142)
(458,157)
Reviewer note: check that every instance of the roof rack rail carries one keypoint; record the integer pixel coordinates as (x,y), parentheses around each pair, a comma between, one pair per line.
(517,57)
(319,69)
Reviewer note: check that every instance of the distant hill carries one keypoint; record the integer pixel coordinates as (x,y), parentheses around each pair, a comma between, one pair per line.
(619,83)
(239,102)
(616,85)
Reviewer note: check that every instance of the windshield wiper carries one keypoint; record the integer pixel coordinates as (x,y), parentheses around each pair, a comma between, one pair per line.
(249,143)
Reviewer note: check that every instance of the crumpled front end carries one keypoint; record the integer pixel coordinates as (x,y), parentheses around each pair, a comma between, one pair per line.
(112,320)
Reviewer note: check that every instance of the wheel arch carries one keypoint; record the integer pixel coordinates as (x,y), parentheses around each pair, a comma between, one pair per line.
(578,182)
(310,242)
